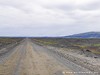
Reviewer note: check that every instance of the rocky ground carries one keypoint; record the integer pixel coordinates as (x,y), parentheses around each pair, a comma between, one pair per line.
(85,59)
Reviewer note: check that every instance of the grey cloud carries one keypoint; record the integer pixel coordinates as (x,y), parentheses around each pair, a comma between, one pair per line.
(28,17)
(91,6)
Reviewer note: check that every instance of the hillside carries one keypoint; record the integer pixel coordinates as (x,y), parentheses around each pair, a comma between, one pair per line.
(85,35)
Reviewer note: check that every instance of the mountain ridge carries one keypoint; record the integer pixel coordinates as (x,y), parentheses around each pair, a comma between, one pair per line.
(85,35)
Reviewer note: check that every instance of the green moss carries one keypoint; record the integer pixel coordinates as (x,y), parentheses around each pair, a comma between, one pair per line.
(96,45)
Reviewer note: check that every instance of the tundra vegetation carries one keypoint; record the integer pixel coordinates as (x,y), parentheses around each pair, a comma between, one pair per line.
(92,45)
(8,41)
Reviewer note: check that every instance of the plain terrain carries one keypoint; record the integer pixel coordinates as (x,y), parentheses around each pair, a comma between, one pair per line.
(49,56)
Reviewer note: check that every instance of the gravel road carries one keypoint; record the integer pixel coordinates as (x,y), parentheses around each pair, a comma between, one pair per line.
(29,58)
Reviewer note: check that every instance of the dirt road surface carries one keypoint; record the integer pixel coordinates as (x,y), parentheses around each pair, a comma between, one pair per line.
(29,58)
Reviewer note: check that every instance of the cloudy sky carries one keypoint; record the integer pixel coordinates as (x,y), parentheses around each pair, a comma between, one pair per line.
(48,17)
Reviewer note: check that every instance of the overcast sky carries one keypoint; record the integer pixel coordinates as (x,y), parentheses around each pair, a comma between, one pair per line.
(48,17)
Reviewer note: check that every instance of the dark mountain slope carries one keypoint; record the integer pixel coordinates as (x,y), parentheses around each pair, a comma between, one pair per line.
(85,35)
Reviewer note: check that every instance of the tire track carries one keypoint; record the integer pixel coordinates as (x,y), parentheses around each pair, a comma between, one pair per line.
(21,56)
(7,68)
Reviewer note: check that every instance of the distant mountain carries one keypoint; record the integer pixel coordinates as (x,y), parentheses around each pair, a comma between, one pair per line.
(85,35)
